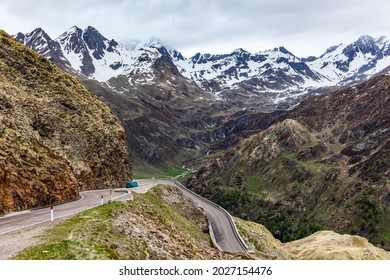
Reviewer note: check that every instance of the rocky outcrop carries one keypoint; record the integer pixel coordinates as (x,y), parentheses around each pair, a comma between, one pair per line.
(328,245)
(261,242)
(56,137)
(322,245)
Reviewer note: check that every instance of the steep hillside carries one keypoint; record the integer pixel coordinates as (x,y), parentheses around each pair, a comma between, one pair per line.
(322,245)
(56,137)
(326,165)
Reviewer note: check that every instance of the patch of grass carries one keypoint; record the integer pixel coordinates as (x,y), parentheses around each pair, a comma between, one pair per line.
(175,172)
(256,242)
(254,187)
(170,217)
(291,157)
(85,236)
(146,174)
(314,142)
(311,165)
(386,228)
(265,245)
(145,171)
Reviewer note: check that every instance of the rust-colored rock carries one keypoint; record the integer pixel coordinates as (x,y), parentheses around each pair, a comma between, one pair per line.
(56,137)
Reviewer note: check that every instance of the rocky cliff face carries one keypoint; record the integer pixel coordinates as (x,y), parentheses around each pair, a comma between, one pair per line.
(56,137)
(323,165)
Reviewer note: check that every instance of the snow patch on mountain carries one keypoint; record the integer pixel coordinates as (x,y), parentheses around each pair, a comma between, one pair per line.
(358,60)
(113,59)
(279,71)
(231,70)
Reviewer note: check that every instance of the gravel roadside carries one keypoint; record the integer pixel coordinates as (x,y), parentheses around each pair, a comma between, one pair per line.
(14,242)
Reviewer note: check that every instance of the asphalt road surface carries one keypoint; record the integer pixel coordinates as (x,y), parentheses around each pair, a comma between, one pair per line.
(24,219)
(222,227)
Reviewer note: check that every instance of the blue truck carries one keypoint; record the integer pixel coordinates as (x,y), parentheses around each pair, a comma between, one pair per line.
(131,184)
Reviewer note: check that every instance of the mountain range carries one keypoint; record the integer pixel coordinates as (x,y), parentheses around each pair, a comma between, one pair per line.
(273,75)
(322,164)
(156,92)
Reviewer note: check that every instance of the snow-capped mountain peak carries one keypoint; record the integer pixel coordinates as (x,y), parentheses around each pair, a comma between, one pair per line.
(176,55)
(40,41)
(264,71)
(71,40)
(152,42)
(129,45)
(239,51)
(366,40)
(282,50)
(331,49)
(363,58)
(91,54)
(73,30)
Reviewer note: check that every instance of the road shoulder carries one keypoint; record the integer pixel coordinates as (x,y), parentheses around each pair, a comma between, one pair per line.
(15,242)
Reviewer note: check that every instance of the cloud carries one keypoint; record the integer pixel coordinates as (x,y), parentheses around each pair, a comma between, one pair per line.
(305,27)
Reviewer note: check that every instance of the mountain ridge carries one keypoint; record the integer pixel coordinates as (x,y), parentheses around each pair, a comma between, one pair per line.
(276,74)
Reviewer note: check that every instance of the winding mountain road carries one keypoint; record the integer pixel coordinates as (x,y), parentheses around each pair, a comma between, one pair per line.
(223,231)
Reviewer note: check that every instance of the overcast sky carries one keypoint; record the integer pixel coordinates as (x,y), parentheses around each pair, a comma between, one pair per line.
(305,27)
